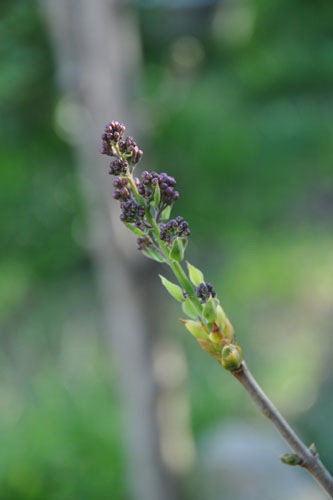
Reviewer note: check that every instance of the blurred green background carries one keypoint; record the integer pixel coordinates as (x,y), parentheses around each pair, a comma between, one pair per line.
(240,112)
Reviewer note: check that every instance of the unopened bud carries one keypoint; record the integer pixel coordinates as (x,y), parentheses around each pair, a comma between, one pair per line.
(291,459)
(313,449)
(232,357)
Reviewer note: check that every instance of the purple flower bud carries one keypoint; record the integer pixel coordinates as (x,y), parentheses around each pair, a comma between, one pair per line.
(129,148)
(204,291)
(123,189)
(116,195)
(132,212)
(118,166)
(174,228)
(113,132)
(136,155)
(144,242)
(149,180)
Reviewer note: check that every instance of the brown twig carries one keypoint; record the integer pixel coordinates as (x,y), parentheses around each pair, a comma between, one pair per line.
(307,458)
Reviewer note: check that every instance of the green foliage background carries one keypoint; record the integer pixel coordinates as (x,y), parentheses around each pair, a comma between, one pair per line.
(247,132)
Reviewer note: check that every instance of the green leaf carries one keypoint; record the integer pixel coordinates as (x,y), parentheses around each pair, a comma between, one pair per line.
(135,229)
(209,311)
(153,254)
(189,309)
(157,196)
(178,249)
(195,274)
(220,317)
(165,215)
(195,328)
(174,290)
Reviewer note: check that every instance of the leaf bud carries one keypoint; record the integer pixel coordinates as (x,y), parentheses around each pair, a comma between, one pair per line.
(313,449)
(291,459)
(232,357)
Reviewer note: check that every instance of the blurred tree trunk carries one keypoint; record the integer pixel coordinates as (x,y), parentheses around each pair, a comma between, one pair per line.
(96,48)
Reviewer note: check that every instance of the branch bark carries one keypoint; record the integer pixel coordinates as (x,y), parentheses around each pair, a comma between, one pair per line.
(308,460)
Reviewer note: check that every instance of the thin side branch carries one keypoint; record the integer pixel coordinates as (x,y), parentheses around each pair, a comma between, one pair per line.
(308,459)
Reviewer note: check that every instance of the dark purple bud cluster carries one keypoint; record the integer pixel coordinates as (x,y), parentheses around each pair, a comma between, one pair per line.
(143,200)
(113,132)
(132,212)
(118,166)
(125,150)
(144,242)
(204,291)
(129,148)
(123,189)
(166,183)
(173,229)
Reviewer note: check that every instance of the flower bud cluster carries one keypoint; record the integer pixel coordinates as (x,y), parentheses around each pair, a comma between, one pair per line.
(113,132)
(145,205)
(146,201)
(144,243)
(123,189)
(129,148)
(132,212)
(125,151)
(204,291)
(166,185)
(175,228)
(118,166)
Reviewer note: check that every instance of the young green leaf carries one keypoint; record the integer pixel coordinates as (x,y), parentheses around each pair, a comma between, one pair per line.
(153,254)
(178,249)
(174,290)
(195,274)
(135,229)
(220,318)
(189,309)
(209,309)
(157,195)
(165,215)
(195,328)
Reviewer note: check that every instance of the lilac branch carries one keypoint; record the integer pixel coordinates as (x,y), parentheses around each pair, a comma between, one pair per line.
(145,205)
